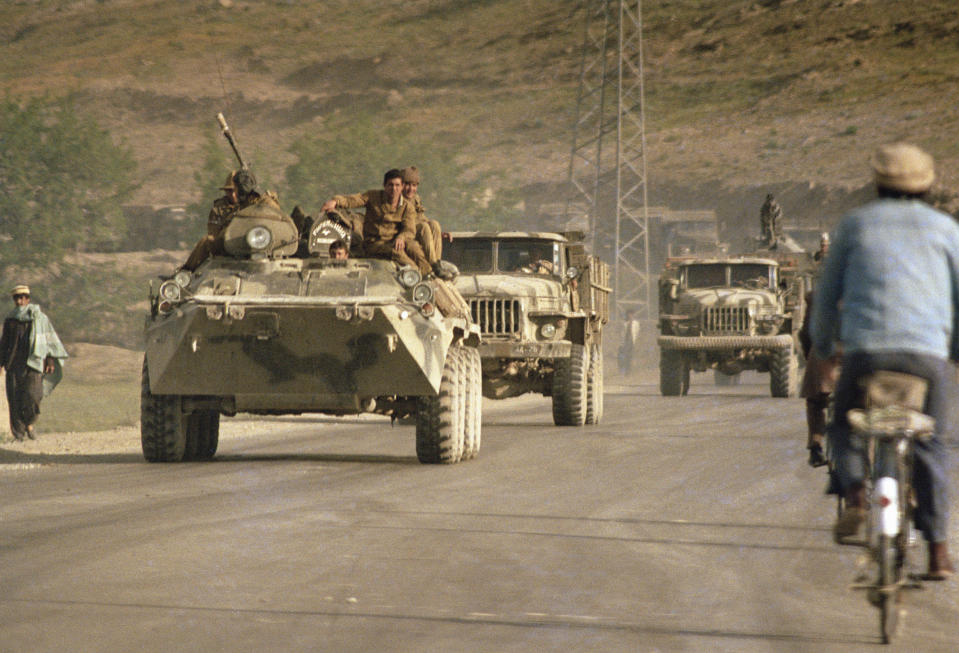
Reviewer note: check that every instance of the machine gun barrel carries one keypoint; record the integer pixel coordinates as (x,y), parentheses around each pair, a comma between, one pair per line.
(229,137)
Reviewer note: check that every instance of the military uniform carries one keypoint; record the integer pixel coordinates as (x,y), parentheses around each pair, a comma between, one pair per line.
(220,215)
(770,218)
(429,234)
(383,225)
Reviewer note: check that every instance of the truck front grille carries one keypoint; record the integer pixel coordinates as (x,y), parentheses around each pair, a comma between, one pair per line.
(721,319)
(496,317)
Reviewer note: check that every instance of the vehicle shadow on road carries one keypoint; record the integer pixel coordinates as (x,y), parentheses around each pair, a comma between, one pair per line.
(13,457)
(315,457)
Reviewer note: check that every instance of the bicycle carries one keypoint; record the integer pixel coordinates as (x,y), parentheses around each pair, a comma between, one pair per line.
(889,426)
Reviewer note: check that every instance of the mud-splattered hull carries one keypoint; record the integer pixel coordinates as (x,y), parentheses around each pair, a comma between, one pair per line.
(299,355)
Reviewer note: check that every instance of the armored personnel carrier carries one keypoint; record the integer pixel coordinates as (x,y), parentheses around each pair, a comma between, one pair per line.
(541,303)
(274,326)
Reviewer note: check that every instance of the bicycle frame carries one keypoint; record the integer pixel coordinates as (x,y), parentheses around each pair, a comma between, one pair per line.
(889,433)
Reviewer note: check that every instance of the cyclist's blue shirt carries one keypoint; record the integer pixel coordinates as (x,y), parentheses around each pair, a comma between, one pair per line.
(891,282)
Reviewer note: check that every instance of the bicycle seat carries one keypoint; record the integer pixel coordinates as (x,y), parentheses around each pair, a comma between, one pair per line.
(887,388)
(891,420)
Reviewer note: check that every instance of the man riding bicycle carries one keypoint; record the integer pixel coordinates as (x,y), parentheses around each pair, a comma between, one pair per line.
(891,281)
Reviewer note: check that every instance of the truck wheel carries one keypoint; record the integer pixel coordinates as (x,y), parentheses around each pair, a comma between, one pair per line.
(783,373)
(474,404)
(594,385)
(202,435)
(673,374)
(163,425)
(569,388)
(440,419)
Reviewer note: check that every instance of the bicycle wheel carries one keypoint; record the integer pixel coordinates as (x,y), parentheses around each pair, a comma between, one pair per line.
(888,556)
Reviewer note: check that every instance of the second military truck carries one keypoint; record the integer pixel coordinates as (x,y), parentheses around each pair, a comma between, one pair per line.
(730,315)
(541,303)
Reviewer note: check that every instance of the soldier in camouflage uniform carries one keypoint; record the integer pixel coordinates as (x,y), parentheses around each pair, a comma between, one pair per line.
(429,234)
(239,192)
(389,227)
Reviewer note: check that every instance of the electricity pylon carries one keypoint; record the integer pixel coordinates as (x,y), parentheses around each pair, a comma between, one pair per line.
(607,170)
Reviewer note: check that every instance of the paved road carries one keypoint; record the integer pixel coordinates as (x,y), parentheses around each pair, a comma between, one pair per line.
(680,524)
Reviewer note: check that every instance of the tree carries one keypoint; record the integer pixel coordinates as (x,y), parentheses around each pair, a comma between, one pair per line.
(63,181)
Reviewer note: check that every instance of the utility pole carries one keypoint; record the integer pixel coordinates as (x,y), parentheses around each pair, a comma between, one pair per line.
(607,170)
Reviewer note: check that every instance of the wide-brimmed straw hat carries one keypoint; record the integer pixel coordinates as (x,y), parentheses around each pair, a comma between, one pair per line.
(21,289)
(903,167)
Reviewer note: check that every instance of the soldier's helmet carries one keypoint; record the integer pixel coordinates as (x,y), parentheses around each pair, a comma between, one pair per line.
(245,182)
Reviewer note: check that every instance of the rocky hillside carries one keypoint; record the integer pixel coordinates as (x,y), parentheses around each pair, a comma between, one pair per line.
(742,95)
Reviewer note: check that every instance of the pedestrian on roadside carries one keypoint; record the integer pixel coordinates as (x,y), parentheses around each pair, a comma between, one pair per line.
(627,348)
(32,355)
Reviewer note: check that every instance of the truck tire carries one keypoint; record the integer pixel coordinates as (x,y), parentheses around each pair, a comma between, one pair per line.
(440,419)
(783,372)
(474,404)
(673,374)
(569,388)
(202,435)
(163,425)
(594,385)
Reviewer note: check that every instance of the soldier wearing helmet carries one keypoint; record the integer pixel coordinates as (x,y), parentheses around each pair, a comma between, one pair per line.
(239,191)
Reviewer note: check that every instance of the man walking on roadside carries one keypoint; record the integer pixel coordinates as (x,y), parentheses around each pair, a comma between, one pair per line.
(891,283)
(32,354)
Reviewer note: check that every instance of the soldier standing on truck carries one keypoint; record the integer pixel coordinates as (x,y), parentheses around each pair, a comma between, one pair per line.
(389,227)
(770,220)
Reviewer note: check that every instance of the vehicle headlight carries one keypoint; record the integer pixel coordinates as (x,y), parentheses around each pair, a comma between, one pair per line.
(182,278)
(259,238)
(170,291)
(409,277)
(422,293)
(547,330)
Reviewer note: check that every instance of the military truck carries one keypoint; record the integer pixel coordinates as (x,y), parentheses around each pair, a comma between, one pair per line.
(541,303)
(731,314)
(273,326)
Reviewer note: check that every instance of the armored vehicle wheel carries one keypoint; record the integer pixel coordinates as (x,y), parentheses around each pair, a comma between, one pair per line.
(440,420)
(673,374)
(569,388)
(594,385)
(474,403)
(202,435)
(163,425)
(783,373)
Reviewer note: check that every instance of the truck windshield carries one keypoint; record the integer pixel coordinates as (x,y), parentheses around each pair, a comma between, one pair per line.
(753,275)
(470,255)
(528,256)
(708,275)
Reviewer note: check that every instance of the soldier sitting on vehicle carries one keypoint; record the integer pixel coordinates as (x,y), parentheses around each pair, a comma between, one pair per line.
(339,251)
(239,192)
(389,227)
